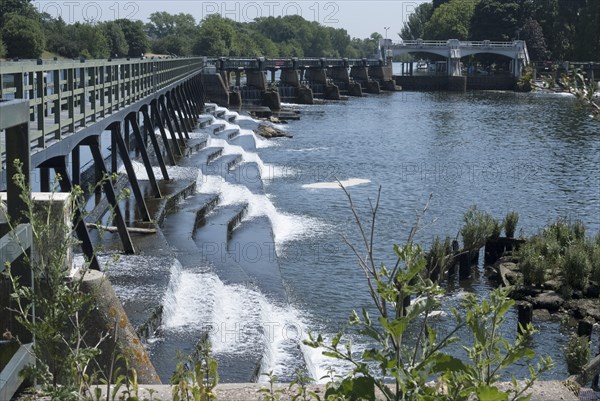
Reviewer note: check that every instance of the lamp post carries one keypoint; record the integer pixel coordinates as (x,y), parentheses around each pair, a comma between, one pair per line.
(385,46)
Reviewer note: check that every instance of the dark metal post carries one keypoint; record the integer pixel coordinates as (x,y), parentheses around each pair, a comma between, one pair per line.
(171,112)
(150,129)
(80,229)
(138,136)
(76,166)
(44,179)
(109,190)
(135,187)
(167,117)
(161,127)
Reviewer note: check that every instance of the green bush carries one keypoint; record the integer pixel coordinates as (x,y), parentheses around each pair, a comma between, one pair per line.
(478,227)
(595,263)
(532,264)
(408,352)
(576,267)
(577,353)
(437,258)
(510,223)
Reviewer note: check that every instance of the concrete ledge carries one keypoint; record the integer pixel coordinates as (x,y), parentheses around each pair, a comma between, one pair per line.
(542,391)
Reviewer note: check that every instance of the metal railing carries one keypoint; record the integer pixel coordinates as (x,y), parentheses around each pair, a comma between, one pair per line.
(13,243)
(447,43)
(65,96)
(262,63)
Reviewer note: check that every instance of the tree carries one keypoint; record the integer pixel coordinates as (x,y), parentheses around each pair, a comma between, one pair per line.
(533,35)
(135,36)
(23,36)
(2,48)
(451,20)
(22,7)
(587,42)
(163,24)
(216,37)
(437,3)
(92,42)
(117,43)
(495,20)
(414,28)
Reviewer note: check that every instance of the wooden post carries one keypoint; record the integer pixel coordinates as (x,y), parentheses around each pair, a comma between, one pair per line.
(525,316)
(585,328)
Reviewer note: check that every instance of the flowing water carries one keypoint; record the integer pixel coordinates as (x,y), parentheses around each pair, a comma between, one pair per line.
(537,154)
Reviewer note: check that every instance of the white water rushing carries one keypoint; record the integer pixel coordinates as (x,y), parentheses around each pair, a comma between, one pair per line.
(239,319)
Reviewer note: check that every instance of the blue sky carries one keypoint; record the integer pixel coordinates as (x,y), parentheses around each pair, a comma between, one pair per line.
(359,18)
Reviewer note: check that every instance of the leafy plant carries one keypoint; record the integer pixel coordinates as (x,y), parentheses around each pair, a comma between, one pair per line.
(300,386)
(438,258)
(399,366)
(577,353)
(270,393)
(195,378)
(490,354)
(595,261)
(478,227)
(510,223)
(576,267)
(532,265)
(61,307)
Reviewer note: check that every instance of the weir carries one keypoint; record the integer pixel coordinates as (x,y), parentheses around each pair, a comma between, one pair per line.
(268,82)
(147,118)
(147,121)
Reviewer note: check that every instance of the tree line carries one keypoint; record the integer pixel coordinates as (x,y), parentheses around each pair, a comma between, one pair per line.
(553,29)
(27,33)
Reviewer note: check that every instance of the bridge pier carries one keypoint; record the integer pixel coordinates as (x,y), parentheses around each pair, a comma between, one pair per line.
(341,77)
(382,73)
(317,77)
(291,77)
(360,74)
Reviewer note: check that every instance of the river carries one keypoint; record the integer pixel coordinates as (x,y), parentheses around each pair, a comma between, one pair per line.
(537,154)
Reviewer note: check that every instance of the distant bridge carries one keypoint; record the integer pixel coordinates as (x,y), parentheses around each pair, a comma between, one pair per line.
(454,50)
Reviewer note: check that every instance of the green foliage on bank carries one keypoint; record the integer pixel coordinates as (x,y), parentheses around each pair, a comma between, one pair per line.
(561,252)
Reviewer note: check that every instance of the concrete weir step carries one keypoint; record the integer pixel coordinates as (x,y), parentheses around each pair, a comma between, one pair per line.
(221,165)
(210,108)
(198,230)
(249,175)
(212,235)
(193,145)
(180,224)
(229,133)
(204,120)
(253,244)
(215,127)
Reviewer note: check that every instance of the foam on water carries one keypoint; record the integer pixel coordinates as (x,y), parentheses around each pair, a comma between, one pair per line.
(268,172)
(235,317)
(260,142)
(352,182)
(286,227)
(175,172)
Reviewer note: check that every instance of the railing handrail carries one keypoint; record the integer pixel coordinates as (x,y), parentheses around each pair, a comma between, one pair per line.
(463,43)
(67,95)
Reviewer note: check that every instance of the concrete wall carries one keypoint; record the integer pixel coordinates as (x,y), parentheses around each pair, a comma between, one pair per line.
(215,89)
(445,83)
